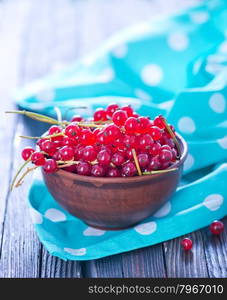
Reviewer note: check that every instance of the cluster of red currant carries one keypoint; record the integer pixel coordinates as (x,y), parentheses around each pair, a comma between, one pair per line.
(116,142)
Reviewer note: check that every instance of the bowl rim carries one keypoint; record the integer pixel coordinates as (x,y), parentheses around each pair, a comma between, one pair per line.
(120,180)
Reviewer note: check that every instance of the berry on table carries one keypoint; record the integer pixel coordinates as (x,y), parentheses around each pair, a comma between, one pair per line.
(186,244)
(217,227)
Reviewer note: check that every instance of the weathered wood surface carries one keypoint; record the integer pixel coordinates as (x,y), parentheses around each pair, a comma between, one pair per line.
(35,38)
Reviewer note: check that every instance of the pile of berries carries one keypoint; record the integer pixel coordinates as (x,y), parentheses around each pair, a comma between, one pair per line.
(116,142)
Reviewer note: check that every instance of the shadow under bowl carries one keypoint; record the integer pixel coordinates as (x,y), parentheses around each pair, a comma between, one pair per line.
(114,203)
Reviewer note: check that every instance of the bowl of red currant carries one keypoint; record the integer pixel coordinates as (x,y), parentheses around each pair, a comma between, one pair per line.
(111,171)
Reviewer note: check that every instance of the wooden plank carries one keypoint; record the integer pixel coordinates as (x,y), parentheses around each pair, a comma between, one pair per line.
(180,263)
(216,252)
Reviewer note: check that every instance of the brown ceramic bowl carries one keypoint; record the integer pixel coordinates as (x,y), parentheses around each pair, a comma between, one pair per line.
(114,203)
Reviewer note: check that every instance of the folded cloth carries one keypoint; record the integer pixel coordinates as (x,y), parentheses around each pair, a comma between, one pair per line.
(174,66)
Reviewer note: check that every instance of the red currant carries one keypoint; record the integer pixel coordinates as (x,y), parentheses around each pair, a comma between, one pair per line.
(143,160)
(67,141)
(111,108)
(129,169)
(104,157)
(77,118)
(100,115)
(27,152)
(165,155)
(86,137)
(131,125)
(48,147)
(118,159)
(50,166)
(111,133)
(97,171)
(72,130)
(113,172)
(143,124)
(119,117)
(83,168)
(186,244)
(154,164)
(54,129)
(89,153)
(38,158)
(67,153)
(155,149)
(145,141)
(158,121)
(155,133)
(217,227)
(128,110)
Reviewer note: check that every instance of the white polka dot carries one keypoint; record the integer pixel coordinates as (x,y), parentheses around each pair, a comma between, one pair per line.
(189,162)
(152,74)
(223,142)
(213,202)
(200,17)
(178,41)
(90,231)
(146,228)
(186,125)
(142,95)
(120,51)
(55,215)
(35,216)
(76,252)
(106,75)
(163,211)
(217,103)
(223,47)
(46,95)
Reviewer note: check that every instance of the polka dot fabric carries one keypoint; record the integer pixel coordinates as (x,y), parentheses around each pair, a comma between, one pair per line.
(176,67)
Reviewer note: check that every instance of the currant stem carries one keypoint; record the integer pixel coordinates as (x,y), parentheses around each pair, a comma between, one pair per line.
(35,116)
(20,181)
(136,162)
(173,136)
(159,171)
(18,172)
(42,137)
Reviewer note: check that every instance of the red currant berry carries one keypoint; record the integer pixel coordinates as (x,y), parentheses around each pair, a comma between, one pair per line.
(77,118)
(130,141)
(104,157)
(128,110)
(165,165)
(101,138)
(67,141)
(143,124)
(155,149)
(143,160)
(113,172)
(166,147)
(48,147)
(131,125)
(111,133)
(57,156)
(129,154)
(119,117)
(118,159)
(83,168)
(186,244)
(135,115)
(78,152)
(217,227)
(97,171)
(129,169)
(71,169)
(38,159)
(89,153)
(158,121)
(111,109)
(50,166)
(54,129)
(100,115)
(27,152)
(145,141)
(155,133)
(154,164)
(165,155)
(86,137)
(67,153)
(72,130)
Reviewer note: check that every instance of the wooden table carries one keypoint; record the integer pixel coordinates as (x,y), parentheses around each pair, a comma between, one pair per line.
(35,38)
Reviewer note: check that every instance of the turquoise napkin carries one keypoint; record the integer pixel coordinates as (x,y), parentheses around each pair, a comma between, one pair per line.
(176,67)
